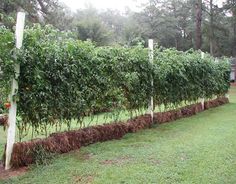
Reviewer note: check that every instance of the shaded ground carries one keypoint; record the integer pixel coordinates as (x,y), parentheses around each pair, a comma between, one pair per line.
(11,173)
(199,149)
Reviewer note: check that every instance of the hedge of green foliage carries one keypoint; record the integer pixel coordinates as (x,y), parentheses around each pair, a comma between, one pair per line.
(185,76)
(63,78)
(6,61)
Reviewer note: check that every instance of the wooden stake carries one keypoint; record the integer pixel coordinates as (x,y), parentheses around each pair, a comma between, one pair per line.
(151,105)
(202,100)
(11,131)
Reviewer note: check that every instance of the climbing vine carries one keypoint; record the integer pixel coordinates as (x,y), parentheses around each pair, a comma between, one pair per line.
(63,79)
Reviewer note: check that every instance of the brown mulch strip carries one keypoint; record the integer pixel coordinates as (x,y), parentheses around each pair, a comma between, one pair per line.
(215,103)
(24,152)
(3,120)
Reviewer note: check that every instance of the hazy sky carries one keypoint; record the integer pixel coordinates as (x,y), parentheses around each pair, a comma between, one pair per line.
(134,5)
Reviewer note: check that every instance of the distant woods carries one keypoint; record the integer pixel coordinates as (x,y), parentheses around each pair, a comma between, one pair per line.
(183,24)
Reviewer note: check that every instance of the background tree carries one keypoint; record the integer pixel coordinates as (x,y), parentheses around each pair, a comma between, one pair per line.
(198,31)
(230,8)
(90,26)
(183,24)
(36,9)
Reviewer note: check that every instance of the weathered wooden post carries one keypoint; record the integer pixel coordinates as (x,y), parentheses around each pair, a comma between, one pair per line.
(151,105)
(202,99)
(11,131)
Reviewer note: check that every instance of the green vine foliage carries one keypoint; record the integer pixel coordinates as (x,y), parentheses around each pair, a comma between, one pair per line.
(64,79)
(6,63)
(185,76)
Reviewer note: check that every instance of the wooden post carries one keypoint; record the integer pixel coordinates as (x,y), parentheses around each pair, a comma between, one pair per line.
(151,105)
(202,55)
(202,99)
(11,131)
(227,95)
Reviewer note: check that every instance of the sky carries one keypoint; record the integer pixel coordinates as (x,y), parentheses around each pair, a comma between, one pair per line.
(134,5)
(121,5)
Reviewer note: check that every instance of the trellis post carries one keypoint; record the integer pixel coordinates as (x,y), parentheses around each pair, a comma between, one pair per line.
(202,99)
(151,105)
(11,131)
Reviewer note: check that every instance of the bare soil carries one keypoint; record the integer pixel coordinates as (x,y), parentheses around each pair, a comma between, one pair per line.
(12,172)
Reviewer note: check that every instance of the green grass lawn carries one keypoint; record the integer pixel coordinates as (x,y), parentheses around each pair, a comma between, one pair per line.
(199,149)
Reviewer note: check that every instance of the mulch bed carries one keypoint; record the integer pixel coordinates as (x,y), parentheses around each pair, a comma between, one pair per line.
(3,120)
(24,152)
(215,103)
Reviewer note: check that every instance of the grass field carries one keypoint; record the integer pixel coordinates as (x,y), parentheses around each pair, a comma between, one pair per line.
(199,149)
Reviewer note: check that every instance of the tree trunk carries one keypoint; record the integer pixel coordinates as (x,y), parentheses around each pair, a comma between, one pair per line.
(176,42)
(234,33)
(198,31)
(211,29)
(211,47)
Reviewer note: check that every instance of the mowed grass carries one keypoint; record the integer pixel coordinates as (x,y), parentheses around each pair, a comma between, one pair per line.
(199,149)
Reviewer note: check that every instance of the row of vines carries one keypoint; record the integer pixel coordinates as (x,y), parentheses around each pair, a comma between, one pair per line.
(63,78)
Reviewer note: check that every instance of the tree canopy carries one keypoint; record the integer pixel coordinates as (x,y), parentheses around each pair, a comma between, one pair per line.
(183,24)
